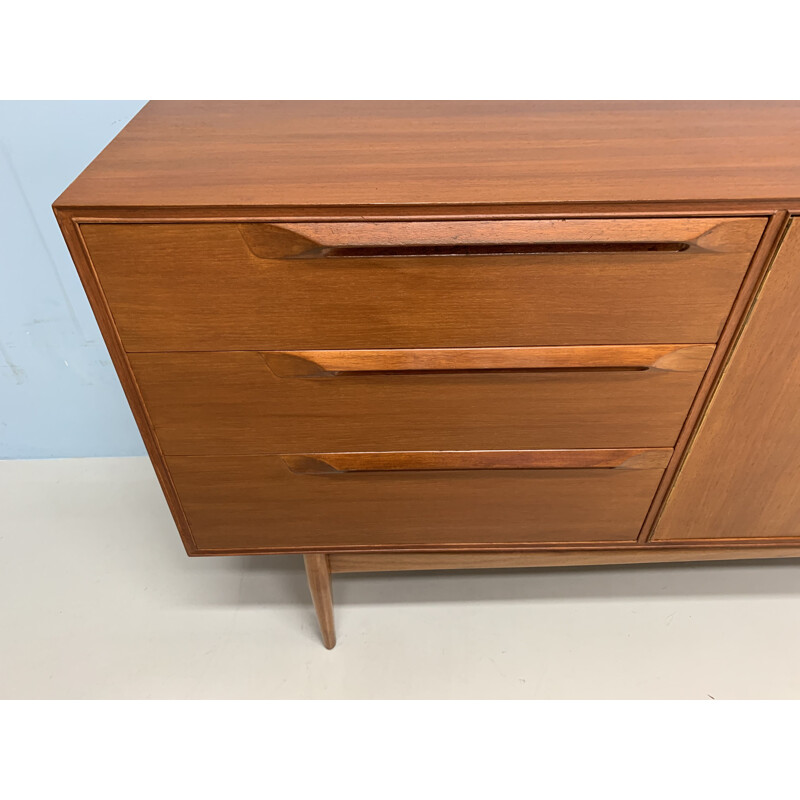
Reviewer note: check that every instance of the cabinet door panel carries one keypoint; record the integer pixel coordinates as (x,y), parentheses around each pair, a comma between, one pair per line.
(741,478)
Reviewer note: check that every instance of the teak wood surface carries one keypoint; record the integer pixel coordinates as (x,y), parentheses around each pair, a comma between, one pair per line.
(201,287)
(319,582)
(611,358)
(442,460)
(572,557)
(741,478)
(363,283)
(481,399)
(523,236)
(262,504)
(383,154)
(766,251)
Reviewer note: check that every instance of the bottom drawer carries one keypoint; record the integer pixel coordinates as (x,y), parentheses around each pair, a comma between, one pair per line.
(352,501)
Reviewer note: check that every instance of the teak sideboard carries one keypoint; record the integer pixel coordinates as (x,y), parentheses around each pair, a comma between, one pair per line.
(439,335)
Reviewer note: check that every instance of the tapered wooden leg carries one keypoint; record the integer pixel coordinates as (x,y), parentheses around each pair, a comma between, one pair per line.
(318,572)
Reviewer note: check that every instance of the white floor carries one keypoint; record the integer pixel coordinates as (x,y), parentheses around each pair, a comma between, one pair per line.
(98,600)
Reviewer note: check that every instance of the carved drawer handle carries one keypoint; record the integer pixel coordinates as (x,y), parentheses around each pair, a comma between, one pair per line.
(482,249)
(336,463)
(331,363)
(484,238)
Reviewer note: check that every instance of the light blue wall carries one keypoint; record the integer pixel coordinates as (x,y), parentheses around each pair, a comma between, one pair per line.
(59,394)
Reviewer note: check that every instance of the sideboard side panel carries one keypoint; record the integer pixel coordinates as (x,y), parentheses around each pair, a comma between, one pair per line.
(741,477)
(71,231)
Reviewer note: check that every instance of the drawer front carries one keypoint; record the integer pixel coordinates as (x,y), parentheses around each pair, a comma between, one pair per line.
(487,399)
(390,500)
(260,286)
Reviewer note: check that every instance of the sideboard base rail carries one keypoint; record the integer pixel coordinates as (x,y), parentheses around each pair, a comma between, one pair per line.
(320,566)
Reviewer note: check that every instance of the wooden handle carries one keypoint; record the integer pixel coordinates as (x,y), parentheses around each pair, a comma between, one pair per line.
(328,463)
(330,363)
(314,240)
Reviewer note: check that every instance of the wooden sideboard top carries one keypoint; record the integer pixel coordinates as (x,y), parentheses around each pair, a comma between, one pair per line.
(312,154)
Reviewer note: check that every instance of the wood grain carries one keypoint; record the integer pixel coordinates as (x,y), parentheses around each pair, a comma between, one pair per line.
(199,287)
(331,239)
(319,583)
(328,363)
(322,246)
(232,403)
(765,252)
(392,562)
(91,215)
(326,463)
(256,504)
(339,153)
(105,321)
(740,478)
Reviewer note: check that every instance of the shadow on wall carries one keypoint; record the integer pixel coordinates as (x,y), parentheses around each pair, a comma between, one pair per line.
(59,394)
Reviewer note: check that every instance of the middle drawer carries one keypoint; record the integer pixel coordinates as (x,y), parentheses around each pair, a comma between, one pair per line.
(240,403)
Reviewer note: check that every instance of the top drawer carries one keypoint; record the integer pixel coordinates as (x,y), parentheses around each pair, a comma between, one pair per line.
(341,285)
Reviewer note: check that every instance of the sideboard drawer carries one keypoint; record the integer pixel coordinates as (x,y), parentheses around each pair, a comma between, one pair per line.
(485,399)
(260,286)
(383,500)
